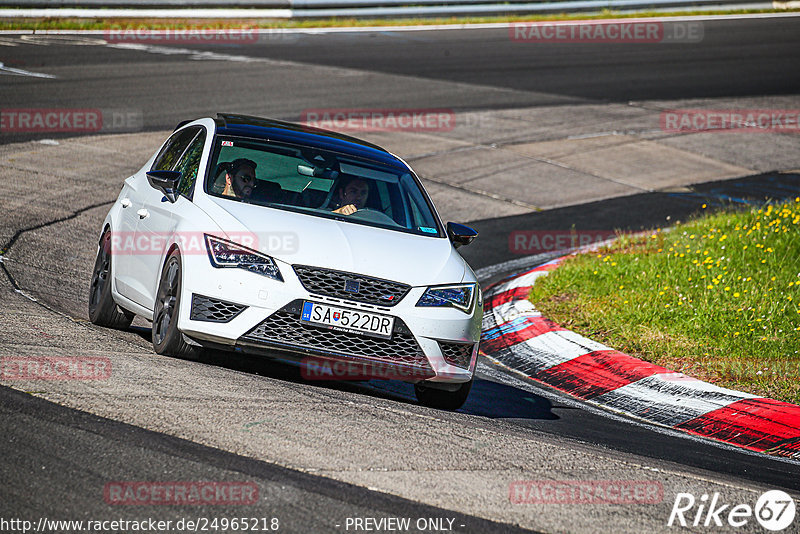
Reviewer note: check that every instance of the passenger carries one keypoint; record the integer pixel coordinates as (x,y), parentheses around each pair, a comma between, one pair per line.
(219,177)
(352,196)
(240,177)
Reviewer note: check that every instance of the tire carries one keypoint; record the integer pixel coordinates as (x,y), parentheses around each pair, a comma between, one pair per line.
(103,311)
(167,339)
(442,399)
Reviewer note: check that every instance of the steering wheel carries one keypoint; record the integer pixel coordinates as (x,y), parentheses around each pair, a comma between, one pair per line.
(373,215)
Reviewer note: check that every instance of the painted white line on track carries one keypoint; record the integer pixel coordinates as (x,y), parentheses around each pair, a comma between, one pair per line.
(21,72)
(256,13)
(670,398)
(561,346)
(62,39)
(509,311)
(147,13)
(200,55)
(522,281)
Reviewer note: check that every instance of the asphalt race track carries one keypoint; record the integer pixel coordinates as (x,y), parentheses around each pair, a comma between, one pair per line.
(547,137)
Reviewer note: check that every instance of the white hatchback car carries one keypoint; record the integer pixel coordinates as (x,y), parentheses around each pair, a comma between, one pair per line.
(294,242)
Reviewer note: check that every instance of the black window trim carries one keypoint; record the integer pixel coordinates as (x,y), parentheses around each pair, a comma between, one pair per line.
(174,134)
(201,130)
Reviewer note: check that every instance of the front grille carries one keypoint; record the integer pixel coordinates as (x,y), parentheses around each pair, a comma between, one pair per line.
(458,354)
(284,329)
(332,284)
(214,310)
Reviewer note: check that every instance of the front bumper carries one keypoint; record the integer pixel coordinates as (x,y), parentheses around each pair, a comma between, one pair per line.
(234,308)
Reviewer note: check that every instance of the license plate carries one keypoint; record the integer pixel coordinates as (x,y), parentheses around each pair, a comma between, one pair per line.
(347,320)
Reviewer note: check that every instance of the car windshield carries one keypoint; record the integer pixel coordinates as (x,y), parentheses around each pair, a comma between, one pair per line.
(320,183)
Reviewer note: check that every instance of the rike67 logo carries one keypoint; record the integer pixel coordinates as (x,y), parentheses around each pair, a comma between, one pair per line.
(774,510)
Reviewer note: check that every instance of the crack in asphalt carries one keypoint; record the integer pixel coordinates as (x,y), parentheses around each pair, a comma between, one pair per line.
(4,250)
(10,243)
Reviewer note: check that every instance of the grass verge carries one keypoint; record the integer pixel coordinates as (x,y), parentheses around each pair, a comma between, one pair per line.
(717,298)
(119,23)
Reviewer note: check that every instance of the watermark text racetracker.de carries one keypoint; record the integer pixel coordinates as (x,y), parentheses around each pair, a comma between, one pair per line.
(191,36)
(634,31)
(585,492)
(149,493)
(730,120)
(380,120)
(70,120)
(312,368)
(538,241)
(54,368)
(192,242)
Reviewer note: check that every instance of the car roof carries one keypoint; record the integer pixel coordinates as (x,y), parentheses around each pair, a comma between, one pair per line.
(299,134)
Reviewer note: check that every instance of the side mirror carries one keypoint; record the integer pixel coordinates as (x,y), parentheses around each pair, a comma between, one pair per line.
(460,234)
(166,182)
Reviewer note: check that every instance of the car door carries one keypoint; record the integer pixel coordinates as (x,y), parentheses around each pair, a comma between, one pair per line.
(123,245)
(183,207)
(155,222)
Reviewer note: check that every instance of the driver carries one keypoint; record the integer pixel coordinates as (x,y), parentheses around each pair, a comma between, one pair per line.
(240,177)
(353,194)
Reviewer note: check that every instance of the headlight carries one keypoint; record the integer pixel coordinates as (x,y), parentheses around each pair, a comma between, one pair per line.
(227,254)
(458,296)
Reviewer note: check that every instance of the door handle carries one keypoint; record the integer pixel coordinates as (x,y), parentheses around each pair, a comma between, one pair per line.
(125,202)
(143,213)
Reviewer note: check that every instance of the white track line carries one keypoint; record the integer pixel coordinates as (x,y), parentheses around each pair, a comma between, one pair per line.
(20,72)
(265,13)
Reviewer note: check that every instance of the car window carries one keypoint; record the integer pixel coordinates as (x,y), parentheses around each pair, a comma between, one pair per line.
(173,148)
(190,163)
(315,181)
